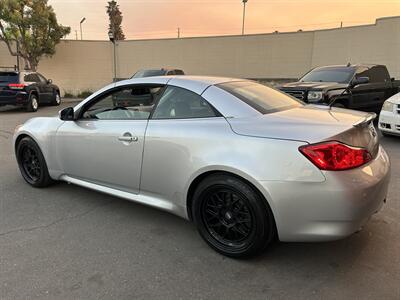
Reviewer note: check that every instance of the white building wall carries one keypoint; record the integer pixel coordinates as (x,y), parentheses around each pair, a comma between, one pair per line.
(88,65)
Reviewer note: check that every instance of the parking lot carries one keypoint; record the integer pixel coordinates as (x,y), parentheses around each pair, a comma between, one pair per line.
(67,242)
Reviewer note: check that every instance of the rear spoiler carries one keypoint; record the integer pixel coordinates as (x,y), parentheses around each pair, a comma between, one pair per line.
(366,120)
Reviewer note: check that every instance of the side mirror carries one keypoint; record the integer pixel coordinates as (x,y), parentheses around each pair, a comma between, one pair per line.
(358,81)
(67,114)
(49,81)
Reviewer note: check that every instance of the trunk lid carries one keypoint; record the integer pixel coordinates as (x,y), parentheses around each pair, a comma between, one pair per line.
(313,124)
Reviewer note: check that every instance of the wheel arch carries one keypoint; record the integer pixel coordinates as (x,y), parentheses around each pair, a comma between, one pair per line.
(242,176)
(22,135)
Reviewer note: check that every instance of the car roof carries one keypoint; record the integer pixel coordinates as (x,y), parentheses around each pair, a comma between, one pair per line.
(197,84)
(350,66)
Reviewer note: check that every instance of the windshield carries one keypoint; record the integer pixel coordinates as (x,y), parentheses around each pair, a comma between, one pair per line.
(260,97)
(149,73)
(339,75)
(8,77)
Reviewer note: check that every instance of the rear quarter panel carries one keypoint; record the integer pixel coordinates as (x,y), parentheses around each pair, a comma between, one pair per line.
(178,151)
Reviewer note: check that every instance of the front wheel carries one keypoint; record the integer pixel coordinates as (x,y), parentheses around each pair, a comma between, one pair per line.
(232,217)
(32,164)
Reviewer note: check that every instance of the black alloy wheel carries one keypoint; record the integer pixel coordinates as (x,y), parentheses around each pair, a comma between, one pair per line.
(32,164)
(228,216)
(232,217)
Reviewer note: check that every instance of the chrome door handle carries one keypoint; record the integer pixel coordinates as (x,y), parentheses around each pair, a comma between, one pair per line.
(127,137)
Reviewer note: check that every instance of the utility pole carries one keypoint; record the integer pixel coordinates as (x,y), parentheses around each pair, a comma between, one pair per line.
(17,55)
(341,24)
(76,34)
(80,24)
(111,36)
(244,14)
(179,32)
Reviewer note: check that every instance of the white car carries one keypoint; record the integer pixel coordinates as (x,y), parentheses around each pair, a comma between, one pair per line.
(389,119)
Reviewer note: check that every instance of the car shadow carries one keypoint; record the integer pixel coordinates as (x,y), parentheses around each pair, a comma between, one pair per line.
(181,233)
(10,109)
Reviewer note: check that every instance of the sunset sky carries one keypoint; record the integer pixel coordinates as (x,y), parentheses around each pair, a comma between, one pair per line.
(161,18)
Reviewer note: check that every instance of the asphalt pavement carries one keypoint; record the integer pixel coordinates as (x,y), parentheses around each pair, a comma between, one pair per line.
(66,242)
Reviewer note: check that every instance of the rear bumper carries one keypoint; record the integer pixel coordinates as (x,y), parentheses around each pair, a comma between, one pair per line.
(389,122)
(18,99)
(332,209)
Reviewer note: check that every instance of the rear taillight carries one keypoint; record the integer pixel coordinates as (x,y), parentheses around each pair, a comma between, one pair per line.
(335,156)
(16,86)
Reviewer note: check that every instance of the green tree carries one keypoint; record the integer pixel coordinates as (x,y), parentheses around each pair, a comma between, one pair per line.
(115,17)
(33,25)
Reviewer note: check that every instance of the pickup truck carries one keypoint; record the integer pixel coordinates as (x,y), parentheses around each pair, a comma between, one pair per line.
(364,87)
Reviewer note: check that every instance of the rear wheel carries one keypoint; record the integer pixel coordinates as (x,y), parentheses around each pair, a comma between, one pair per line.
(32,164)
(56,99)
(232,217)
(33,103)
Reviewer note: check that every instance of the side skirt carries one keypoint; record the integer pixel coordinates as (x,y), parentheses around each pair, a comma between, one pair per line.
(138,198)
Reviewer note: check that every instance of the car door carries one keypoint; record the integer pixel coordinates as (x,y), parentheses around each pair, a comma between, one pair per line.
(370,96)
(182,128)
(105,144)
(361,94)
(46,88)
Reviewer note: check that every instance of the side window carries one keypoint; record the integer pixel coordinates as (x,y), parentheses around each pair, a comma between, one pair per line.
(363,72)
(379,74)
(31,78)
(127,103)
(41,78)
(179,103)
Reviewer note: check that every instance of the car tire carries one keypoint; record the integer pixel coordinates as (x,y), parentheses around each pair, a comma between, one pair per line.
(32,164)
(232,217)
(33,103)
(56,99)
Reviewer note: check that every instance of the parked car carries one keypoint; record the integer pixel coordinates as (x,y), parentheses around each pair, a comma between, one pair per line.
(157,72)
(319,85)
(27,89)
(244,162)
(389,118)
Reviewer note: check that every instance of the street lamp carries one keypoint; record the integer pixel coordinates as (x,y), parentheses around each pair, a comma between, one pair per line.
(80,25)
(244,14)
(111,36)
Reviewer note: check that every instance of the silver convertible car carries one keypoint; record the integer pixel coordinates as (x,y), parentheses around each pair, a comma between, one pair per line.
(246,163)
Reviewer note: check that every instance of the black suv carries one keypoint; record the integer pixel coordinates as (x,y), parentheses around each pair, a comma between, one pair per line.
(157,72)
(27,89)
(364,87)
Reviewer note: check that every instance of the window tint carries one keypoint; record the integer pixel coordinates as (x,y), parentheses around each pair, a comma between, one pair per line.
(329,74)
(179,72)
(128,103)
(179,103)
(379,74)
(41,78)
(260,97)
(9,77)
(32,77)
(363,72)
